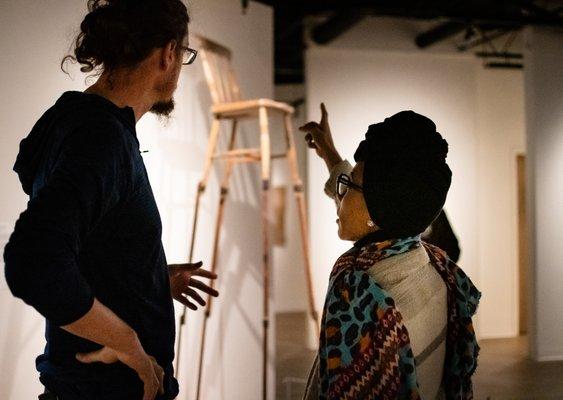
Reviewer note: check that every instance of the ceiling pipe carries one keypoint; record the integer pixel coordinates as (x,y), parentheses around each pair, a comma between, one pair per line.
(439,33)
(336,25)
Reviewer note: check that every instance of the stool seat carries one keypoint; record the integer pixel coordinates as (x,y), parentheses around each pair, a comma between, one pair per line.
(248,108)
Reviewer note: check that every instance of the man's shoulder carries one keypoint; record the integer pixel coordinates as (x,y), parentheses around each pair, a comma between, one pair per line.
(80,111)
(89,118)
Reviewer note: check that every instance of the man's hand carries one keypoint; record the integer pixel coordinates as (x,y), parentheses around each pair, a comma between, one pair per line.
(183,285)
(150,373)
(121,343)
(319,137)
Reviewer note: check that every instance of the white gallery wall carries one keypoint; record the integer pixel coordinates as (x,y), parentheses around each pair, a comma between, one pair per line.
(544,122)
(500,136)
(481,115)
(289,275)
(35,36)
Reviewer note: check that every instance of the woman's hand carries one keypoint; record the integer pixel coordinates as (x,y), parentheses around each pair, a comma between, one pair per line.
(183,285)
(319,137)
(146,367)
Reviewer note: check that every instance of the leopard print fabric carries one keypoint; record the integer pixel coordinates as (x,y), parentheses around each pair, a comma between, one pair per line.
(364,348)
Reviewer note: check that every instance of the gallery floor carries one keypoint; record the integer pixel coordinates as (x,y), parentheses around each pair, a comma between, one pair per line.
(504,372)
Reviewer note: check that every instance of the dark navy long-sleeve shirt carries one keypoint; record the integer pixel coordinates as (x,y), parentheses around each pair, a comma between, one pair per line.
(91,230)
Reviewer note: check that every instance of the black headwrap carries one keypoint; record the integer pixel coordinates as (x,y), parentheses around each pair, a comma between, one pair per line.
(406,178)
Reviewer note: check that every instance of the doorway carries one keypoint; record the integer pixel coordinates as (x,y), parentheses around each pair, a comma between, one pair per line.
(523,277)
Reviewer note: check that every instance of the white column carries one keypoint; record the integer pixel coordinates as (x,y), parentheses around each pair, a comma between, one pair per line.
(544,114)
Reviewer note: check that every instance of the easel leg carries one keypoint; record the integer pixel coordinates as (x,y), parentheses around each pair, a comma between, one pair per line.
(212,144)
(300,199)
(217,238)
(265,162)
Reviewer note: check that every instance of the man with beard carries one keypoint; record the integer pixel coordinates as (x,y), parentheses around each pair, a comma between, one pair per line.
(87,252)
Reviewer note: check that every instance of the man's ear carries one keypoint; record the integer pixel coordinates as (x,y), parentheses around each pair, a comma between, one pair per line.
(169,54)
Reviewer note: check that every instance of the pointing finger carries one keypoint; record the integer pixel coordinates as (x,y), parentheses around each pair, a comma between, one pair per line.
(324,113)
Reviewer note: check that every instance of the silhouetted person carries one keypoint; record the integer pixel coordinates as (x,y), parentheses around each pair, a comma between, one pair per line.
(87,252)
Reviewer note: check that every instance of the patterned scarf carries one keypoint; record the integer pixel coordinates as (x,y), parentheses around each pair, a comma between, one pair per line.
(365,349)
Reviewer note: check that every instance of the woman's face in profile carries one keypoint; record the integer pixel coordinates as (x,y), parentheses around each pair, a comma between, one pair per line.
(352,211)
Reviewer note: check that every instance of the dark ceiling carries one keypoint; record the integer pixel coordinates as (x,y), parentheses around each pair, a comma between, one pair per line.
(480,20)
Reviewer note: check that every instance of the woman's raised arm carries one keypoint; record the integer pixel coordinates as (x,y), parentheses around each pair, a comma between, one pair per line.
(319,137)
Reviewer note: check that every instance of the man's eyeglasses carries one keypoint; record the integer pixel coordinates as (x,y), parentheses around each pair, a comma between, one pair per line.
(343,183)
(188,55)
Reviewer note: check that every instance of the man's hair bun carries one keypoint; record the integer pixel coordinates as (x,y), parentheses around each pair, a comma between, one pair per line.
(122,33)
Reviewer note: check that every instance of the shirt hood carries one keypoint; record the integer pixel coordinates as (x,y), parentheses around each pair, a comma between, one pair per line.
(70,106)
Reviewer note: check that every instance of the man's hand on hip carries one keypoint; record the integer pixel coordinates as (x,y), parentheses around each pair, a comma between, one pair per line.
(150,373)
(121,343)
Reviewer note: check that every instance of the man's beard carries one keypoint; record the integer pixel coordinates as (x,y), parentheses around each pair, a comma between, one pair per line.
(163,108)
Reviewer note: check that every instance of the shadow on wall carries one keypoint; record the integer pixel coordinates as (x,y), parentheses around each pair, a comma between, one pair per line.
(13,347)
(243,259)
(239,268)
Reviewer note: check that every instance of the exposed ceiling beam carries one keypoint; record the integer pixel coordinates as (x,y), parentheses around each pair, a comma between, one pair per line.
(469,44)
(504,65)
(495,18)
(502,54)
(505,13)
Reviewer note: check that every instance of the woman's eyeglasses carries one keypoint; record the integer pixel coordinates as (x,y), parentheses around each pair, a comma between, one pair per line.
(188,55)
(343,183)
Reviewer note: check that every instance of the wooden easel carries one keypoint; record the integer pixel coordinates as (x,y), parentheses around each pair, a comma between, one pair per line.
(228,105)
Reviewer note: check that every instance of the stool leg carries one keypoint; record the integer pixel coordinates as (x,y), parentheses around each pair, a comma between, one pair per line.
(215,257)
(300,199)
(265,162)
(213,136)
(211,145)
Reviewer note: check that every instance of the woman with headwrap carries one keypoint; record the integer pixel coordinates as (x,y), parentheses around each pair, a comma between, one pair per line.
(397,317)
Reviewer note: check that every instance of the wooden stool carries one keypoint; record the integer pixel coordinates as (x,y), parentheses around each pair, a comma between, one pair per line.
(228,105)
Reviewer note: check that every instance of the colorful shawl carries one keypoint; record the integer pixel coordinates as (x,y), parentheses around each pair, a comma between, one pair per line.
(364,348)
